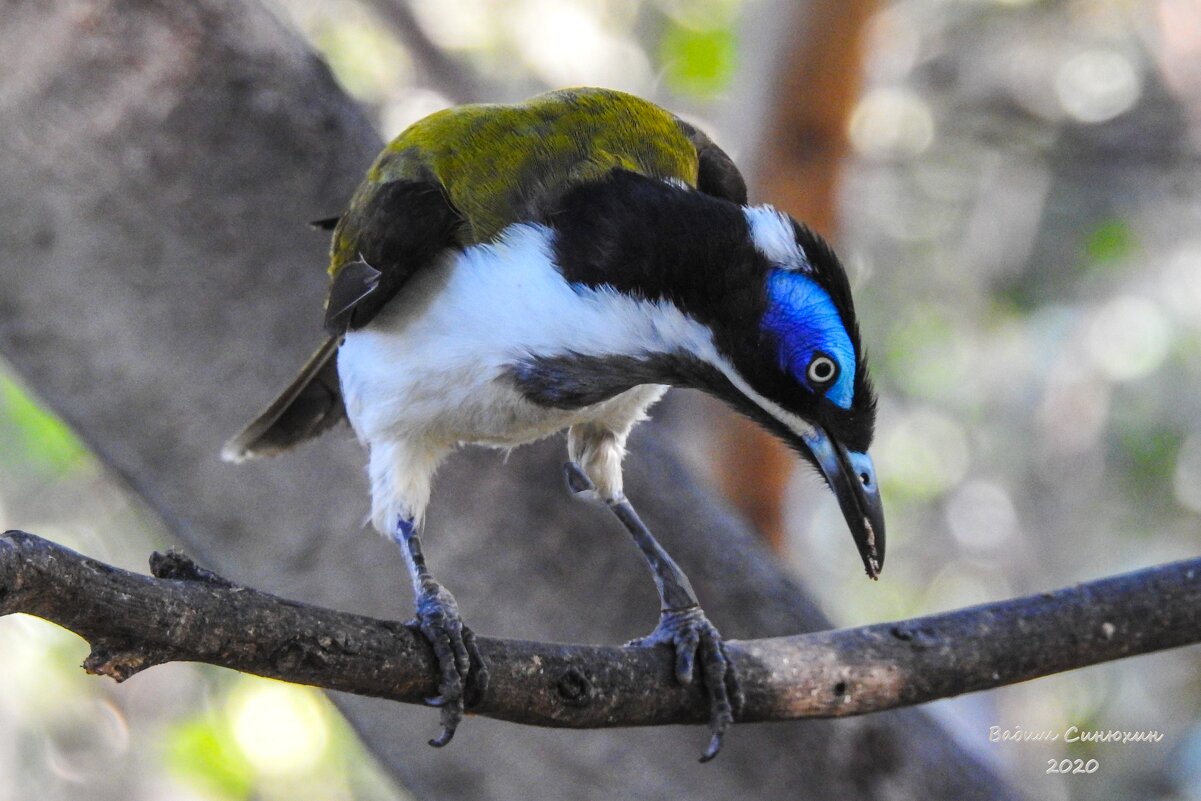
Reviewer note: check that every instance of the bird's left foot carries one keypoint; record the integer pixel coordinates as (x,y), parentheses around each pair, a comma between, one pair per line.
(463,675)
(695,639)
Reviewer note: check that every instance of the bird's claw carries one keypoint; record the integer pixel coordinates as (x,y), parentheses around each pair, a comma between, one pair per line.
(691,635)
(463,676)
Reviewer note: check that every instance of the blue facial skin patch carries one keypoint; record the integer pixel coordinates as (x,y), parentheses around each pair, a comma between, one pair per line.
(804,320)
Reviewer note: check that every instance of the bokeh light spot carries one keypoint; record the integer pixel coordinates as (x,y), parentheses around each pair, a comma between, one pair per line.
(566,44)
(1097,85)
(461,25)
(926,454)
(1181,284)
(891,123)
(1127,338)
(279,728)
(981,516)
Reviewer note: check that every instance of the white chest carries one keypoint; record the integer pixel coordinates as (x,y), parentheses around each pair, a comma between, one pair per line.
(433,364)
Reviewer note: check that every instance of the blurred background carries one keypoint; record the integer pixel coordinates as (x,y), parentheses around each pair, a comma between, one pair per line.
(1015,186)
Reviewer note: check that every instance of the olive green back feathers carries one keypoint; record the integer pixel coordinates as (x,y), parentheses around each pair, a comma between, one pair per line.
(460,176)
(498,164)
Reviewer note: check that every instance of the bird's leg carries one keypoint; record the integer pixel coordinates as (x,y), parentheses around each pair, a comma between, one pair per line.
(459,663)
(682,623)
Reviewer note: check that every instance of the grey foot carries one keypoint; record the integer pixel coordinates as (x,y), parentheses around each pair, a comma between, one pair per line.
(462,674)
(695,639)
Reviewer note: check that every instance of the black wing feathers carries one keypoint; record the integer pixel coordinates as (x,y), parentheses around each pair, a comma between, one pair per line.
(349,289)
(400,229)
(718,174)
(647,238)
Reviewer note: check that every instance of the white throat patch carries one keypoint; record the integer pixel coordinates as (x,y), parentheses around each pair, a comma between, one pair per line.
(775,238)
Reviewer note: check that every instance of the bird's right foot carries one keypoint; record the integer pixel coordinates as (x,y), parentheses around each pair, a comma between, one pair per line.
(462,674)
(700,649)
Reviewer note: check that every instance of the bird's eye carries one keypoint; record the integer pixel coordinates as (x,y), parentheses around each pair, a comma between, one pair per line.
(822,370)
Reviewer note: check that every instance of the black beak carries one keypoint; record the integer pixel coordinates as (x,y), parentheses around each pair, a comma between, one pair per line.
(852,477)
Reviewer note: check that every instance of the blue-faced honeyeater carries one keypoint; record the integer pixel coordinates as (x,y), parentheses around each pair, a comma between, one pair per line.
(506,272)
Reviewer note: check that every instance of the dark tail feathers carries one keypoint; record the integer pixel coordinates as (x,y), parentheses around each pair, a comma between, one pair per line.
(310,405)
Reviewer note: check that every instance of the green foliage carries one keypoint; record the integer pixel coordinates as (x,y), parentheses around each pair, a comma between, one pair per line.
(698,62)
(1110,241)
(34,436)
(268,740)
(201,753)
(1147,456)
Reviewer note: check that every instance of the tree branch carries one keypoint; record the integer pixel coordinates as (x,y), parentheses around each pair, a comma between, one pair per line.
(185,613)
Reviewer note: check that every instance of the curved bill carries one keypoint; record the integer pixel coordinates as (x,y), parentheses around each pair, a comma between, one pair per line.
(852,477)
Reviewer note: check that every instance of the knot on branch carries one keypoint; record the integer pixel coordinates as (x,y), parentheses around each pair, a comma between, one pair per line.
(918,637)
(575,688)
(119,661)
(176,565)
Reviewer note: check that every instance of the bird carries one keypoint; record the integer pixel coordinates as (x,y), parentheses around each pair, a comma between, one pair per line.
(507,272)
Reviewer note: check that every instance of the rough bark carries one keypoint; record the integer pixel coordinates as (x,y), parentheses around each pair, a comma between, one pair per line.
(161,160)
(187,613)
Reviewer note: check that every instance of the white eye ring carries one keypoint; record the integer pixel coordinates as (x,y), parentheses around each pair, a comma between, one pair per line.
(822,370)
